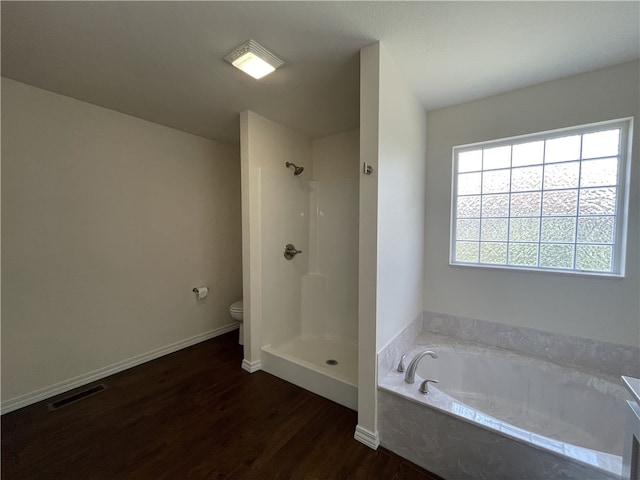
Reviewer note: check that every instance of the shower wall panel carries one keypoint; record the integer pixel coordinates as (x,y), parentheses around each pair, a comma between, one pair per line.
(285,219)
(330,288)
(315,293)
(270,221)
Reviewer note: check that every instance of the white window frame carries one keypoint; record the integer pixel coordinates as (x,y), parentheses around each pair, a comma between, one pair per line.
(622,205)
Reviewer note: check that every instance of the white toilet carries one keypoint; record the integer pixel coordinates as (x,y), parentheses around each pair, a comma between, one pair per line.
(236,310)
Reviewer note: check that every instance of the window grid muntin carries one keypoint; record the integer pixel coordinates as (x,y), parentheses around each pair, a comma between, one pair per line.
(509,204)
(575,228)
(619,190)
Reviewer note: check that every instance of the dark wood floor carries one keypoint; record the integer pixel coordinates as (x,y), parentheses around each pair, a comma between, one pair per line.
(194,414)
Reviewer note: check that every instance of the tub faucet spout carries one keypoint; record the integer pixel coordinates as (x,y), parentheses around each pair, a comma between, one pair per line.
(410,374)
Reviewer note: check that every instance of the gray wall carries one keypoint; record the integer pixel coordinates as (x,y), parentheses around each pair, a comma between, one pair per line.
(108,222)
(604,309)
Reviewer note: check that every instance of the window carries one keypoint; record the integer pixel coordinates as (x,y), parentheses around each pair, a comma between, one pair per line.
(553,201)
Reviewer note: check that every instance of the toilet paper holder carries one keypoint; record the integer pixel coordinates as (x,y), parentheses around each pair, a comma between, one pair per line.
(200,292)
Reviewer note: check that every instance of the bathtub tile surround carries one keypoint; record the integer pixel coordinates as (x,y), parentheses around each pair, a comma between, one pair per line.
(390,355)
(509,415)
(457,449)
(602,357)
(452,439)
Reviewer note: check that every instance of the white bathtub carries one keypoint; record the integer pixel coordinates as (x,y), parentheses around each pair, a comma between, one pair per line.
(497,414)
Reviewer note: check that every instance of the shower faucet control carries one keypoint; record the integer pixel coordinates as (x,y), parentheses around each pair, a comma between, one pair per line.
(290,251)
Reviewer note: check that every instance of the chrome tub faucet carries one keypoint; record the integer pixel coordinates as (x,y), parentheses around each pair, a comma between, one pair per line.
(410,373)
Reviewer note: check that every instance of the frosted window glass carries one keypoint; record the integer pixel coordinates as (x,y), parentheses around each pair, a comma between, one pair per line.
(596,229)
(467,252)
(556,256)
(527,154)
(470,161)
(495,205)
(596,258)
(597,201)
(496,181)
(525,254)
(562,175)
(493,253)
(468,207)
(558,230)
(468,230)
(601,144)
(524,229)
(525,204)
(562,149)
(526,179)
(499,157)
(469,183)
(549,200)
(495,229)
(564,202)
(597,173)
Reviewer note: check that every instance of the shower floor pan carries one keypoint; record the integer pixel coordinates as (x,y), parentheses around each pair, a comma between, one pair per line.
(323,366)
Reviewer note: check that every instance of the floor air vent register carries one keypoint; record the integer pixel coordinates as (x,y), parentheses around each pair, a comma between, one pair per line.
(76,397)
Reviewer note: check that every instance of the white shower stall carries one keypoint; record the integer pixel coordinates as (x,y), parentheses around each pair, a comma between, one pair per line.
(301,317)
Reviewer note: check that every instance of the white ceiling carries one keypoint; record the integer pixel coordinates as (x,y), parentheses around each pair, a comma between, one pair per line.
(162,61)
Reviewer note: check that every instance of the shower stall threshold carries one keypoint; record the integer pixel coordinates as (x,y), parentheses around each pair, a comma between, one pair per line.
(322,366)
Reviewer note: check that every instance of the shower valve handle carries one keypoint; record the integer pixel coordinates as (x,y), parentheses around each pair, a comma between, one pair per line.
(290,251)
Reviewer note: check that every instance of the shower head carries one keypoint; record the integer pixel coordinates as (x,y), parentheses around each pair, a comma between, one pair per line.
(296,169)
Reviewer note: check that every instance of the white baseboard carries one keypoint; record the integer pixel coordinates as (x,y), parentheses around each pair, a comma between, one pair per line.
(370,439)
(66,385)
(251,366)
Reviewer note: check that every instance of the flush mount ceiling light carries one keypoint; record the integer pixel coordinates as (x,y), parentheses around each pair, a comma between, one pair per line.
(253,59)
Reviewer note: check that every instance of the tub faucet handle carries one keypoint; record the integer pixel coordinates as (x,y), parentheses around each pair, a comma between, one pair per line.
(401,364)
(424,386)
